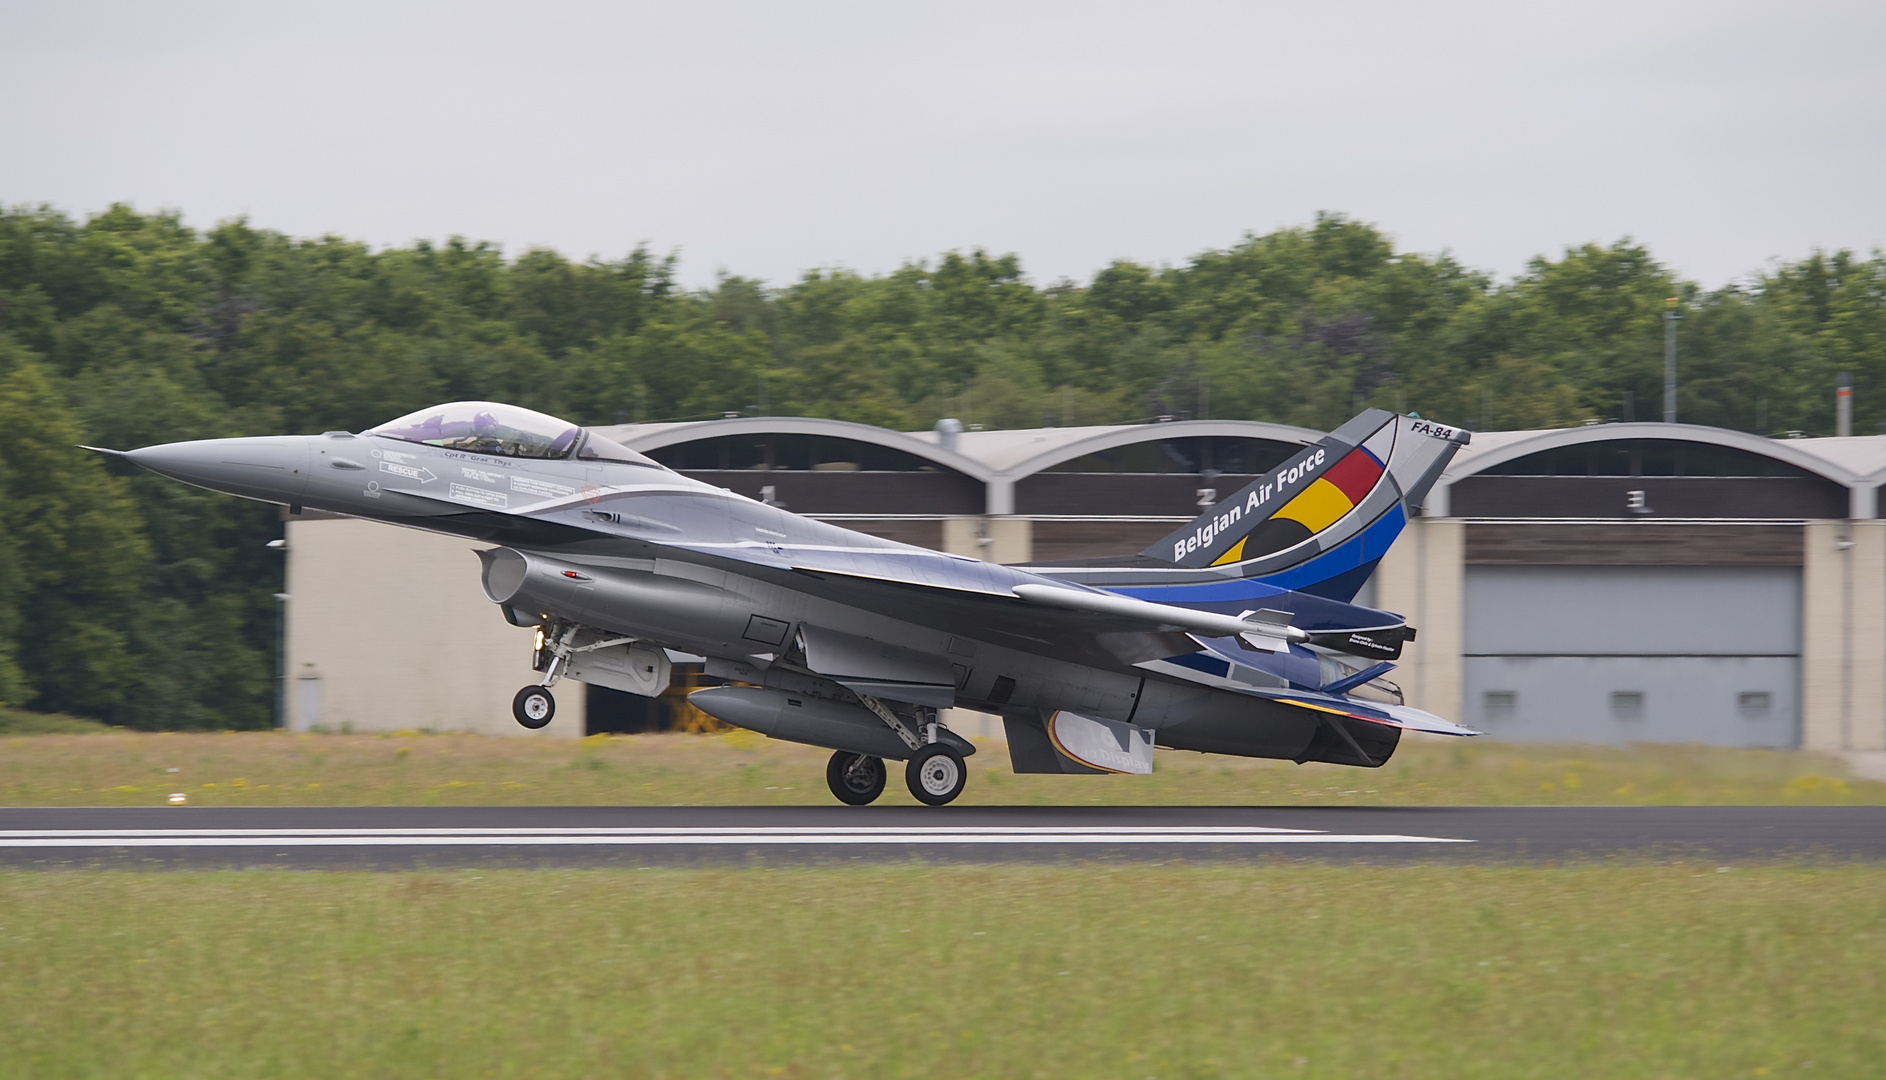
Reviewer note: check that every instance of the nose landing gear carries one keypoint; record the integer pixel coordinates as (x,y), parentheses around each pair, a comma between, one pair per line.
(558,646)
(534,707)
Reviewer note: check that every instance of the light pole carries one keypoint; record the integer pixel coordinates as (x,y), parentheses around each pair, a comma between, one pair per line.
(281,659)
(281,642)
(1670,316)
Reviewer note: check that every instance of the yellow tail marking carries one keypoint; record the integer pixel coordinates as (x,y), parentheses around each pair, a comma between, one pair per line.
(1320,505)
(1236,553)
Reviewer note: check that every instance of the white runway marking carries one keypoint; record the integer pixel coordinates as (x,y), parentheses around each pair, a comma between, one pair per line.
(543,837)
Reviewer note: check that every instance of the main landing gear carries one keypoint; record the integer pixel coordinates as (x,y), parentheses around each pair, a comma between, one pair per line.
(935,775)
(856,779)
(935,772)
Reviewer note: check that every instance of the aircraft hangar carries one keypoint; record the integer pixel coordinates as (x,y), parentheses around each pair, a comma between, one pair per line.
(1608,583)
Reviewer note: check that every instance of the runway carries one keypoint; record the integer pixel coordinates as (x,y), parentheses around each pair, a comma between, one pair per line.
(406,837)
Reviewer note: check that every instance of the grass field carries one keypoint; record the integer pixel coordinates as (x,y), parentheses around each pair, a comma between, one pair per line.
(16,722)
(1280,970)
(118,768)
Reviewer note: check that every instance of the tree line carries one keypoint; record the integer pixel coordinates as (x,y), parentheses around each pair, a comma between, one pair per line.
(143,602)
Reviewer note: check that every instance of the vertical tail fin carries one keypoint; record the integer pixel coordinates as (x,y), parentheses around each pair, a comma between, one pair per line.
(1319,522)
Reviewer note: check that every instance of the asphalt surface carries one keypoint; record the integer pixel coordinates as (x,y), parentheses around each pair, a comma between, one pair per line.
(408,837)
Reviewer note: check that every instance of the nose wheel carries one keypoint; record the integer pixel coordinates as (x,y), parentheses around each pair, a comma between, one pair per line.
(936,774)
(534,707)
(856,779)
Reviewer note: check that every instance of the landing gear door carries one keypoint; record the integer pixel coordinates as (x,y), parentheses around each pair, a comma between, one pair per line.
(634,668)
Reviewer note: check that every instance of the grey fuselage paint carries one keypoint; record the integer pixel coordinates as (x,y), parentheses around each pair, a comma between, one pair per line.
(644,552)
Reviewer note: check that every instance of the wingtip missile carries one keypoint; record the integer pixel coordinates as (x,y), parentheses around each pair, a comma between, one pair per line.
(1268,630)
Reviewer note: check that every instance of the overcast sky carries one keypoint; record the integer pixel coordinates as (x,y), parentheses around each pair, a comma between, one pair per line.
(768,138)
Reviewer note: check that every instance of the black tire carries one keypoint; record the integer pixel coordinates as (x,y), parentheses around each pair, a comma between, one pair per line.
(936,774)
(856,779)
(534,707)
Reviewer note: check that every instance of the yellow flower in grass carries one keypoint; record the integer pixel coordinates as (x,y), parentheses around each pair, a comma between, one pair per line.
(1815,785)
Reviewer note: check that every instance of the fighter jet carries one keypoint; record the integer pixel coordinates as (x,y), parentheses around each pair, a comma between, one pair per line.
(1234,635)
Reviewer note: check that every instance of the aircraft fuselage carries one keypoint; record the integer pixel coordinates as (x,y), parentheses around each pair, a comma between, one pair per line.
(606,550)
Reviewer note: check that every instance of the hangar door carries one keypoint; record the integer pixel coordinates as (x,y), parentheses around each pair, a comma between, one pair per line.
(1617,654)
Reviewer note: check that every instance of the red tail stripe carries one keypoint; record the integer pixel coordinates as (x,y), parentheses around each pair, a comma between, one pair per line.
(1355,475)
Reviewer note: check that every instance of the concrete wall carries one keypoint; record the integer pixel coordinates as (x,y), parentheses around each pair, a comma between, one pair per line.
(1421,578)
(997,539)
(1843,647)
(389,629)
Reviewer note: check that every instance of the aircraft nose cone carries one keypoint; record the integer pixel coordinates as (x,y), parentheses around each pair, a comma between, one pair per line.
(273,469)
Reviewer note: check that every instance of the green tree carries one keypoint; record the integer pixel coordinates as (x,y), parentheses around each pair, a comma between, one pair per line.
(75,553)
(129,328)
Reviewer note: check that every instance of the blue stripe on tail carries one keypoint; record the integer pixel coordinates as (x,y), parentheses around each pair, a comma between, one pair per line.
(1336,574)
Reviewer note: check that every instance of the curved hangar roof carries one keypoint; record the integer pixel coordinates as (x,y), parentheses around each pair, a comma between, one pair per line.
(652,438)
(1004,462)
(1699,472)
(984,454)
(1019,453)
(1162,460)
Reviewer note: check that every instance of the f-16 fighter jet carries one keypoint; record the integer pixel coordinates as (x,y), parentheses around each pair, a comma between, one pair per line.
(1234,635)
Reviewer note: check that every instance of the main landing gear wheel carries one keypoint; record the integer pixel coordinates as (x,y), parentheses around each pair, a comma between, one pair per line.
(534,707)
(936,774)
(857,779)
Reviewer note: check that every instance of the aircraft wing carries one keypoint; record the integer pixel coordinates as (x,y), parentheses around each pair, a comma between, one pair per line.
(958,595)
(1030,611)
(1019,608)
(978,600)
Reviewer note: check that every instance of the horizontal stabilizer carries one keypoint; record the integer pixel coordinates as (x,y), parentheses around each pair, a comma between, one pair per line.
(1405,717)
(1213,669)
(1413,719)
(1351,681)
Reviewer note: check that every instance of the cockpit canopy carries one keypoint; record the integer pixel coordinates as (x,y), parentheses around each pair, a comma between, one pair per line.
(485,427)
(491,427)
